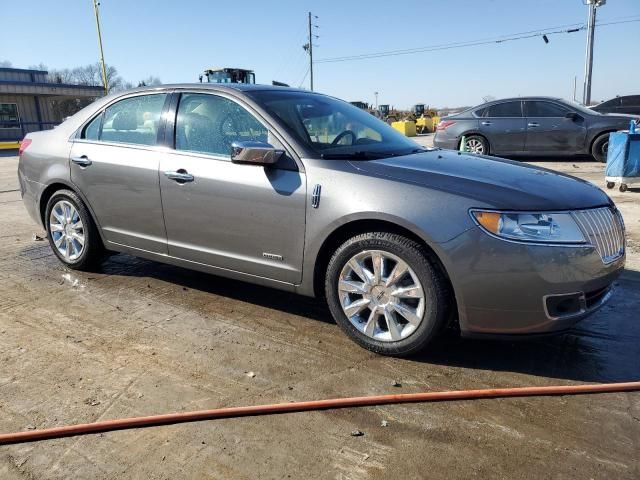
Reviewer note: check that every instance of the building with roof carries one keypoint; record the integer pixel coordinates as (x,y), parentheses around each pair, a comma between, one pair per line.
(30,101)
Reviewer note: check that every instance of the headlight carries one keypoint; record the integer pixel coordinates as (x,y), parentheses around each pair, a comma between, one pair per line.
(530,227)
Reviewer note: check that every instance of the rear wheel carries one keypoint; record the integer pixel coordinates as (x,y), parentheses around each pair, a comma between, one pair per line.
(600,148)
(71,231)
(476,144)
(385,293)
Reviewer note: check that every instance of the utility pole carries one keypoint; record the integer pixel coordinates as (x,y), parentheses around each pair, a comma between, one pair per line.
(104,68)
(310,52)
(588,63)
(308,47)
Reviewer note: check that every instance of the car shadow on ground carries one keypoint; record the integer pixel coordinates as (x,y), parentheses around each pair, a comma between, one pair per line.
(8,153)
(602,348)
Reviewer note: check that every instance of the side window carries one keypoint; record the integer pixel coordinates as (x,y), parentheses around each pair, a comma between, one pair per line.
(507,109)
(614,102)
(631,101)
(133,120)
(210,124)
(545,109)
(92,131)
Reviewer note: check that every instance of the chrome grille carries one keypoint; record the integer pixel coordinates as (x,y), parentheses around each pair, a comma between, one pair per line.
(603,228)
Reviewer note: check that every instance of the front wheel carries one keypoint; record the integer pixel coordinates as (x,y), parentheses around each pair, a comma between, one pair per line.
(386,294)
(71,231)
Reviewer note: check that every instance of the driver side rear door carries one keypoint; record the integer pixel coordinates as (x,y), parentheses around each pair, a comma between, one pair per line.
(237,217)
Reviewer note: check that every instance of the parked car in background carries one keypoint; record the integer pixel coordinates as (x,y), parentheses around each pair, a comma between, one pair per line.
(306,193)
(530,126)
(629,104)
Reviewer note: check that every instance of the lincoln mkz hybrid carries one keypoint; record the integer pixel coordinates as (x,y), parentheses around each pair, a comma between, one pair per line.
(306,193)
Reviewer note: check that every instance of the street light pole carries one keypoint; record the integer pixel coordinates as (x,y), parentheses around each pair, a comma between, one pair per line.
(588,64)
(310,52)
(104,68)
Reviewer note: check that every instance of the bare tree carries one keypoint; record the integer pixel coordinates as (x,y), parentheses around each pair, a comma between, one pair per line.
(488,98)
(5,64)
(150,80)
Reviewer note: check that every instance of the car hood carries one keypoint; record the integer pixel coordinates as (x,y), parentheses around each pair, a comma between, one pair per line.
(502,184)
(622,116)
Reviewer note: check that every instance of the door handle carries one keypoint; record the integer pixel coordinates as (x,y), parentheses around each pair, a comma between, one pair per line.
(533,124)
(83,161)
(180,176)
(486,124)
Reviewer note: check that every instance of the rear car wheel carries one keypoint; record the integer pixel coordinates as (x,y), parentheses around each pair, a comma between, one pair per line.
(476,144)
(71,231)
(385,293)
(600,147)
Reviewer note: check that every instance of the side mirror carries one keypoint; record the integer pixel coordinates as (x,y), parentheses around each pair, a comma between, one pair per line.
(255,153)
(572,116)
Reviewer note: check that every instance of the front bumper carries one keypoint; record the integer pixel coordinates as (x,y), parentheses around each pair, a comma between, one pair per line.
(508,288)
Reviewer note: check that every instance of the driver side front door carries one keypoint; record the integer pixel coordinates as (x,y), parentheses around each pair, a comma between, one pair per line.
(243,218)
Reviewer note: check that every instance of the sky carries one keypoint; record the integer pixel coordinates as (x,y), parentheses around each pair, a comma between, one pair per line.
(177,40)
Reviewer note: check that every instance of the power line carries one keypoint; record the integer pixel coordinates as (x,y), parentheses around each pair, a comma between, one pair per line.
(447,46)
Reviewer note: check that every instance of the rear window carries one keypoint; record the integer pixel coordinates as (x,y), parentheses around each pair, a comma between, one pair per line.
(506,109)
(631,100)
(133,120)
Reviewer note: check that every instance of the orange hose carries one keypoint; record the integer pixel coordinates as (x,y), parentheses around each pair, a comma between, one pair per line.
(231,412)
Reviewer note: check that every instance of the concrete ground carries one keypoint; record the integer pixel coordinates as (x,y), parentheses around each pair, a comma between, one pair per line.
(141,338)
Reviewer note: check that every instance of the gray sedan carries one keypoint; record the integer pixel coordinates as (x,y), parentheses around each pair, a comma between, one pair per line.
(531,126)
(306,193)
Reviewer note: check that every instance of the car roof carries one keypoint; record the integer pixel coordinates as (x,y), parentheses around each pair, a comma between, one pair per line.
(512,99)
(218,87)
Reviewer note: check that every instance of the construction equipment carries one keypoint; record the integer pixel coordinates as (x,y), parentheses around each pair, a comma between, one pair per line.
(233,75)
(426,119)
(360,105)
(228,75)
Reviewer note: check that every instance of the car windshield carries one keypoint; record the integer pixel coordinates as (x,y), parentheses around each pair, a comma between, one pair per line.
(332,128)
(581,108)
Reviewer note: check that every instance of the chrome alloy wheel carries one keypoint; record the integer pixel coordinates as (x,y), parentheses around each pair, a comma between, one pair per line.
(67,230)
(381,295)
(473,145)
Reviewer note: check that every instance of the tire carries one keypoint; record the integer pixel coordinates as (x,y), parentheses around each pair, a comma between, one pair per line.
(610,185)
(600,147)
(476,144)
(73,254)
(623,187)
(423,317)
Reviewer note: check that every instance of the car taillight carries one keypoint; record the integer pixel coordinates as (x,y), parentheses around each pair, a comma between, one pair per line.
(443,125)
(23,146)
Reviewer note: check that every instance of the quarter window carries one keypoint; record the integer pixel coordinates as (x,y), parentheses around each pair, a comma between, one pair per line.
(506,109)
(210,124)
(133,120)
(545,109)
(92,131)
